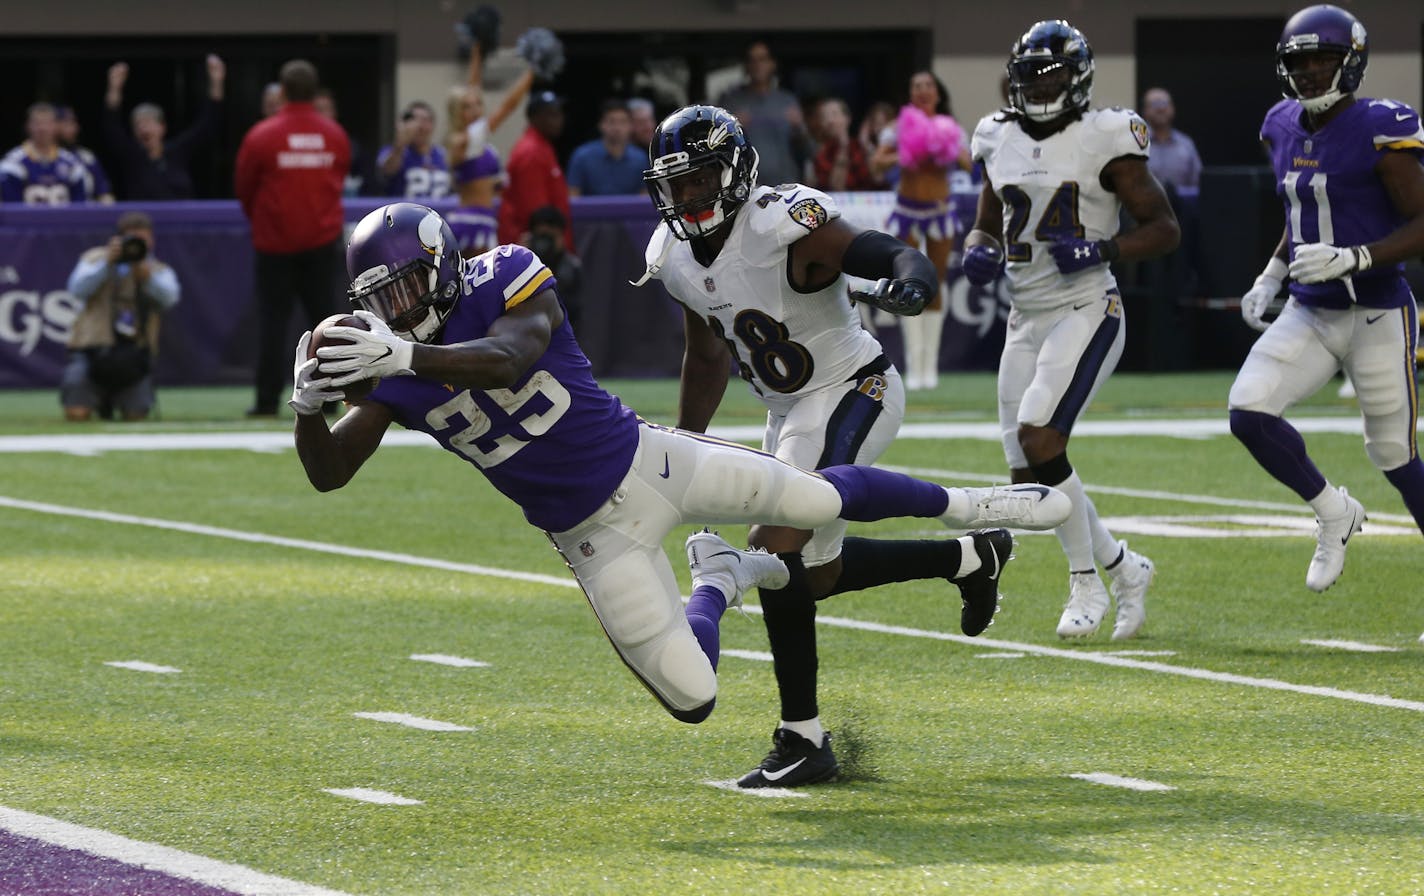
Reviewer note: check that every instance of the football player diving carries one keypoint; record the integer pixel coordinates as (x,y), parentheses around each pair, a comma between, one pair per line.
(760,274)
(1058,173)
(479,355)
(1353,191)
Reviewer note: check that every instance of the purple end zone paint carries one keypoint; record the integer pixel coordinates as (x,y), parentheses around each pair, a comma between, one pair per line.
(35,868)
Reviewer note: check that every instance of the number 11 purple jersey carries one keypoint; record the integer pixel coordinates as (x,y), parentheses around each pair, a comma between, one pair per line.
(1332,194)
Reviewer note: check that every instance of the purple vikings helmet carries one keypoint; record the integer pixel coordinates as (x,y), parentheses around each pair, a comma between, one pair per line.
(1323,29)
(1050,71)
(706,140)
(405,268)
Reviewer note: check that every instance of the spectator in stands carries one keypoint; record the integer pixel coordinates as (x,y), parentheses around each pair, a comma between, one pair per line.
(610,165)
(879,121)
(644,121)
(771,118)
(1174,158)
(414,166)
(272,99)
(68,123)
(535,178)
(927,144)
(359,177)
(474,162)
(546,240)
(291,170)
(840,162)
(114,340)
(39,171)
(150,166)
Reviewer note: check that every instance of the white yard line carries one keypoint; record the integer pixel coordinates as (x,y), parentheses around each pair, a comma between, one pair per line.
(1353,646)
(367,795)
(1085,656)
(409,721)
(1119,781)
(141,666)
(770,793)
(758,655)
(445,660)
(236,878)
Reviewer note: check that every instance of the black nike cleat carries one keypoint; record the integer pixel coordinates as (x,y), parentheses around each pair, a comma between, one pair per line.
(980,589)
(793,762)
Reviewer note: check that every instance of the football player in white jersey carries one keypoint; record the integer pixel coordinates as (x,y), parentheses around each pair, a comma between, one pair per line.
(759,272)
(1057,175)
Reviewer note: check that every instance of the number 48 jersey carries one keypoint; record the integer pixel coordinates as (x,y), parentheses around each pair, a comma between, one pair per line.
(1051,190)
(787,343)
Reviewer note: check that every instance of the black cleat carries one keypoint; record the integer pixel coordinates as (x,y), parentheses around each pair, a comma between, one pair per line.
(793,761)
(980,589)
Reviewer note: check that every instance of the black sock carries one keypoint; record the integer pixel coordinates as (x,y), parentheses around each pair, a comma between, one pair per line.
(790,617)
(1054,470)
(867,563)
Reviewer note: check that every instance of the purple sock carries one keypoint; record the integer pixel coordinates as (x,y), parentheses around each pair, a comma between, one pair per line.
(1409,479)
(704,613)
(869,494)
(1278,447)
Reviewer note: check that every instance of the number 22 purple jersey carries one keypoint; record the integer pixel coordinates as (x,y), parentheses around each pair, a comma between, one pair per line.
(556,444)
(1327,181)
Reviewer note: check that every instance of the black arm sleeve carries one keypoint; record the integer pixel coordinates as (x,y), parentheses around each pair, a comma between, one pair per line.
(873,255)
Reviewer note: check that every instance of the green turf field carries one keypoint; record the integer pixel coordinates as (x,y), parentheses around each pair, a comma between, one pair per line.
(1293,767)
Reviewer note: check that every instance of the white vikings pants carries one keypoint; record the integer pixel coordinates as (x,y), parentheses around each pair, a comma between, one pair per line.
(1053,363)
(849,425)
(617,553)
(1305,347)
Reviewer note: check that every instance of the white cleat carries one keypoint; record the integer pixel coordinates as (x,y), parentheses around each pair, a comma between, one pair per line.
(1024,506)
(1331,537)
(1086,607)
(715,562)
(1130,579)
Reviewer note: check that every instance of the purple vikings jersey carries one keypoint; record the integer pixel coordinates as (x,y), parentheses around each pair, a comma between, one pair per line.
(420,176)
(1332,194)
(556,444)
(32,181)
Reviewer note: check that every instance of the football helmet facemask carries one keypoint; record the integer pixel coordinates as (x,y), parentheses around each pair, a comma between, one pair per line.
(1050,71)
(703,169)
(405,268)
(1325,30)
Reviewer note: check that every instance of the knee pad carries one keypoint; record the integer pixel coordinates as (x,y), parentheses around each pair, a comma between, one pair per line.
(677,672)
(1250,393)
(630,601)
(1387,454)
(807,501)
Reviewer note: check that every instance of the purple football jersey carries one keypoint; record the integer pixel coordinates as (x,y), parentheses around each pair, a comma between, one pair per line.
(421,176)
(556,444)
(1327,181)
(58,181)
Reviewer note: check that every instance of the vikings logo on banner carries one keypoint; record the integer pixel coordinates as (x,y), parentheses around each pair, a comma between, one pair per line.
(1139,131)
(809,213)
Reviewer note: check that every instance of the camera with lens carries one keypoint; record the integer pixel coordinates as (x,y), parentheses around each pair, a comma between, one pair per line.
(133,249)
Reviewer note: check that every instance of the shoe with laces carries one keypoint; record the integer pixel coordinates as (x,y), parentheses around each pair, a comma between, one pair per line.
(793,762)
(1022,506)
(979,590)
(1129,581)
(1087,604)
(1331,537)
(715,562)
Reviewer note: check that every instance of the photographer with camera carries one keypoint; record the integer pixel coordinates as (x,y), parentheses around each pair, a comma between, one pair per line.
(113,342)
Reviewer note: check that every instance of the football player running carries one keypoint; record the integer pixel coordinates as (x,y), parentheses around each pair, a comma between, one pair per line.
(1353,189)
(759,272)
(1057,175)
(479,354)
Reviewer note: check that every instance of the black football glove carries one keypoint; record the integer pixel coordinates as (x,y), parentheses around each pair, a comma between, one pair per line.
(903,297)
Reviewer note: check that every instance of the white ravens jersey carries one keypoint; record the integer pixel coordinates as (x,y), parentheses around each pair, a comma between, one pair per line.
(787,344)
(1051,190)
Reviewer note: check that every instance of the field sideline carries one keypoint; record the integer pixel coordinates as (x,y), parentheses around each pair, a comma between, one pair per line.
(214,672)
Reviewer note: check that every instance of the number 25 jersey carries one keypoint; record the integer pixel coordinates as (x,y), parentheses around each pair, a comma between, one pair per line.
(1051,190)
(787,343)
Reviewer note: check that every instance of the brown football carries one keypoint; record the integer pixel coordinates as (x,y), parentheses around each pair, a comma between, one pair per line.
(354,391)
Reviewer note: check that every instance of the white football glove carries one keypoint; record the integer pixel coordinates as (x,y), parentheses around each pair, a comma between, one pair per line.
(308,392)
(1318,262)
(1259,297)
(372,354)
